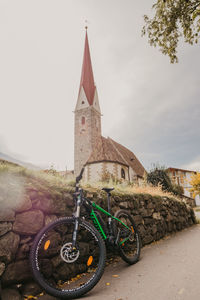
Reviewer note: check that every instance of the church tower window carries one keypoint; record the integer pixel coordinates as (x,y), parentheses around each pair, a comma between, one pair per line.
(83,121)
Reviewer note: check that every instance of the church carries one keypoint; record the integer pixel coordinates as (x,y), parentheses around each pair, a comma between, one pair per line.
(101,157)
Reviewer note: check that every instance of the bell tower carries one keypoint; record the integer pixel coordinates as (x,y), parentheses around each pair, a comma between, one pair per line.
(87,114)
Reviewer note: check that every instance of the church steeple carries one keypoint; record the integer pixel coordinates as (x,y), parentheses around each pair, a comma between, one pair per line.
(87,129)
(87,78)
(87,95)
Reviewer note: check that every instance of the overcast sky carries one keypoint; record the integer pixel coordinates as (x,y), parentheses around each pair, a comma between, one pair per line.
(148,105)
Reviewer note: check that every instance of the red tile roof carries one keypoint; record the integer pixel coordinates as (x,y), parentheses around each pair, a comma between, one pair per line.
(177,169)
(130,158)
(87,78)
(109,150)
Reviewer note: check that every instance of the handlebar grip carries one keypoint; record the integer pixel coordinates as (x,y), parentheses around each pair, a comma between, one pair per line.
(81,174)
(78,178)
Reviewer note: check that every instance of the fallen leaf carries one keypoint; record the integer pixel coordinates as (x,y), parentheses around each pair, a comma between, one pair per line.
(115,276)
(181,291)
(107,283)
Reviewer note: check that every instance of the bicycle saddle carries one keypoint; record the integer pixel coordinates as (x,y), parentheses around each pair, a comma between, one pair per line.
(107,190)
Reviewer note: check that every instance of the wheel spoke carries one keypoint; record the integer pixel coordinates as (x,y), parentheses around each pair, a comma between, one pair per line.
(59,267)
(129,241)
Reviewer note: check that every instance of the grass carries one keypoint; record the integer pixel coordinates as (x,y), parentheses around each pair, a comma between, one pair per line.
(52,179)
(49,178)
(128,188)
(15,181)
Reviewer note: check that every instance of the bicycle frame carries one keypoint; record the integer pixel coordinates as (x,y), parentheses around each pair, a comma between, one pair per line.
(98,225)
(90,206)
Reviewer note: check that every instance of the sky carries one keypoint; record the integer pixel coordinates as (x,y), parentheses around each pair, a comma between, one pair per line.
(149,105)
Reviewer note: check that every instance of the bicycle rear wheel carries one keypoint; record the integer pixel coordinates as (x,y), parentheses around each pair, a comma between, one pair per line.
(62,271)
(129,242)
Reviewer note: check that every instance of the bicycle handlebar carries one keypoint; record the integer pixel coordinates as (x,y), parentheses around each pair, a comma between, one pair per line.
(79,177)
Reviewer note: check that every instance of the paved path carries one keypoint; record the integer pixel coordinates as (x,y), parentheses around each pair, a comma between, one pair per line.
(168,270)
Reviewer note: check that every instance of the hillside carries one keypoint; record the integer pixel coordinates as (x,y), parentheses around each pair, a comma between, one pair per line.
(11,159)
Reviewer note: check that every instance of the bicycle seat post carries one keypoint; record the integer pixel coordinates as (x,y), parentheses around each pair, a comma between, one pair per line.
(108,190)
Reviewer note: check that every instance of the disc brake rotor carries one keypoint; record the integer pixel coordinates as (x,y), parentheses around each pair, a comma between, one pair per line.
(68,254)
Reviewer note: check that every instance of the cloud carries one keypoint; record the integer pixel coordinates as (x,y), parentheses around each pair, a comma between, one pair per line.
(3,147)
(160,116)
(194,165)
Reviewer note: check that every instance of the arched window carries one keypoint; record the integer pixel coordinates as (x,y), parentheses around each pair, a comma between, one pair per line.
(83,121)
(122,173)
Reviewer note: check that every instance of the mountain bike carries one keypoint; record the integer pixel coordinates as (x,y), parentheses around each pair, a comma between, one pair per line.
(68,256)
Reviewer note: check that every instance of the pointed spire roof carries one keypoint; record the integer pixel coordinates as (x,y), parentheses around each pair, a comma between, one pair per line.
(87,78)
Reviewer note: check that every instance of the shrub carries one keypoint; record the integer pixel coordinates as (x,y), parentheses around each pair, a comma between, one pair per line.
(159,176)
(177,189)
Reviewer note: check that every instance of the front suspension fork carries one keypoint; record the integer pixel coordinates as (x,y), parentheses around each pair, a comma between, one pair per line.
(76,223)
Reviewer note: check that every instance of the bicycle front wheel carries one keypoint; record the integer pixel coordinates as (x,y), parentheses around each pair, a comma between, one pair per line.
(62,271)
(129,242)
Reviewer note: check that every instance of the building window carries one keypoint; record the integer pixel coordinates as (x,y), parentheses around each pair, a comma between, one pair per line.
(122,173)
(83,121)
(182,179)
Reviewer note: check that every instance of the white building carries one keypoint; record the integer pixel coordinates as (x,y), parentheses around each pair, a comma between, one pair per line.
(182,178)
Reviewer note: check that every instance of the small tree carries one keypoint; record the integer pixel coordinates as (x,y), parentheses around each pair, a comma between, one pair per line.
(195,183)
(177,189)
(172,20)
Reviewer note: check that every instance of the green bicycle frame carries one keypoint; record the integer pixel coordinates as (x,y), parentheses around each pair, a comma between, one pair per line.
(98,225)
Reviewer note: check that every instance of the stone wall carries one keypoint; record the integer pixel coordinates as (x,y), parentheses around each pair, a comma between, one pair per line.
(155,217)
(190,201)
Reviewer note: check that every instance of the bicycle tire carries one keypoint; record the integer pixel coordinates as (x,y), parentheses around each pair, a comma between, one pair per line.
(85,276)
(130,249)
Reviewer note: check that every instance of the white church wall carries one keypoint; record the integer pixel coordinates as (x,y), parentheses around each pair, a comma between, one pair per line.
(133,175)
(115,169)
(93,172)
